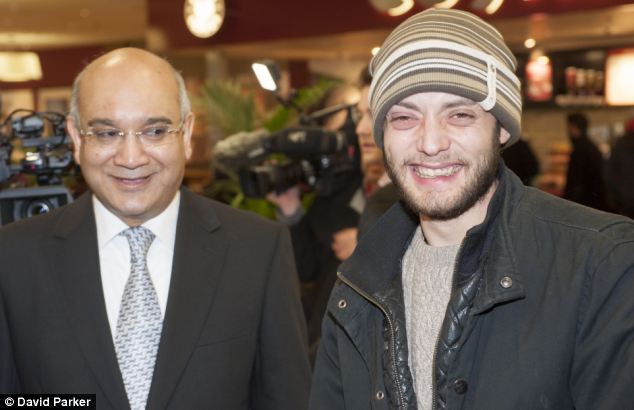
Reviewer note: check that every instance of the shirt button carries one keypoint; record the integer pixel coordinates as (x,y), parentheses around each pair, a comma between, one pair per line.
(506,282)
(460,386)
(380,395)
(342,304)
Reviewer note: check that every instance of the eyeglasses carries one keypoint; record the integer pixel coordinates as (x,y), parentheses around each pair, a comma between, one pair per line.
(150,136)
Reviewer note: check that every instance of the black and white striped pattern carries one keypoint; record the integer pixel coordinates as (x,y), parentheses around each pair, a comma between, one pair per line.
(140,321)
(449,51)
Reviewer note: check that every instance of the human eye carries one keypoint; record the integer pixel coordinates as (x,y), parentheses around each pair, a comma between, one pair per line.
(106,135)
(463,114)
(363,116)
(155,132)
(402,120)
(462,117)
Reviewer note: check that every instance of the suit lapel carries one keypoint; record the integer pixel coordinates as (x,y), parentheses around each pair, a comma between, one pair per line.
(199,255)
(75,258)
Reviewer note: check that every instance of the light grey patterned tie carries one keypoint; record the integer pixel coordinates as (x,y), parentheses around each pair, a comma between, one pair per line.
(140,322)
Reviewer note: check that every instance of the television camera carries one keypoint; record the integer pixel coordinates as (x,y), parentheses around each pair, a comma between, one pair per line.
(305,154)
(47,155)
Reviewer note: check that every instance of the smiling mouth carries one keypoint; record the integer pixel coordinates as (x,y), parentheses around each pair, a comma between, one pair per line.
(425,172)
(132,181)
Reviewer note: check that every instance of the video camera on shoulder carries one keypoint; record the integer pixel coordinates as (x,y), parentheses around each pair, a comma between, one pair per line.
(47,155)
(307,154)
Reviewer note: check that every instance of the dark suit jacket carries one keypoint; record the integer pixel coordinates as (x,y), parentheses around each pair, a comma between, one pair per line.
(233,335)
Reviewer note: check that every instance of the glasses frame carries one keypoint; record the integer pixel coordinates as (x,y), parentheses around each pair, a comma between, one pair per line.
(121,134)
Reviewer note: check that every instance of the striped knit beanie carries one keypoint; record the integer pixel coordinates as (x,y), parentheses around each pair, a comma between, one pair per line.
(446,50)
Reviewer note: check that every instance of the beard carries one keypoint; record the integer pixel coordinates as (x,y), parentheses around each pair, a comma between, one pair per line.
(442,206)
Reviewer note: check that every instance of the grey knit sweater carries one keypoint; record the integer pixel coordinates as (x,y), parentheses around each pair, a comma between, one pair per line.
(427,275)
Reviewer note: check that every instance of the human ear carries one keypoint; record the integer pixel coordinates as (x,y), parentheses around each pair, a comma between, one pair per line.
(73,131)
(504,136)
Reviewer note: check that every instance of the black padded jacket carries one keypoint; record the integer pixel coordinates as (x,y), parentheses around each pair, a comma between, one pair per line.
(541,315)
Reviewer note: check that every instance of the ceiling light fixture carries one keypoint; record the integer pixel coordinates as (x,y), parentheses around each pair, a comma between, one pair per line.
(544,59)
(489,6)
(404,7)
(267,73)
(19,66)
(530,43)
(204,17)
(619,89)
(393,7)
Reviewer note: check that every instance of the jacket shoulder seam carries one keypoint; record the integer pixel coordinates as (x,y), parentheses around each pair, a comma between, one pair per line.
(599,229)
(589,279)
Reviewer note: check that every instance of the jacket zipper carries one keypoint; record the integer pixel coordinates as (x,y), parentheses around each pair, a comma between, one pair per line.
(392,334)
(434,394)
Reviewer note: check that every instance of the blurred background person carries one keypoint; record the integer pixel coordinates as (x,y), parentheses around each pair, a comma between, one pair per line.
(521,159)
(620,172)
(584,177)
(332,217)
(378,188)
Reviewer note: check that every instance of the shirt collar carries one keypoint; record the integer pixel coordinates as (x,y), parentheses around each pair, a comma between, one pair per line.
(163,225)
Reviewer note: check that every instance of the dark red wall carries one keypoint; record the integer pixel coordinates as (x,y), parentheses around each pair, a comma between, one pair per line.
(256,20)
(59,67)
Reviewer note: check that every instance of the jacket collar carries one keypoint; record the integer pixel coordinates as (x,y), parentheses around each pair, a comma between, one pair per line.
(377,260)
(80,212)
(74,259)
(502,281)
(199,265)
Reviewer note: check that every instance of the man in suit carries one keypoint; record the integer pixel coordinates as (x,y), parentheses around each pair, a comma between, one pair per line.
(142,292)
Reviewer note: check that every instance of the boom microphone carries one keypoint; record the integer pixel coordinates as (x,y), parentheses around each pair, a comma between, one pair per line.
(248,148)
(302,141)
(242,149)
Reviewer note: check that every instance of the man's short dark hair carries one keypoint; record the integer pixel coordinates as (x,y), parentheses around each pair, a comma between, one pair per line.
(365,78)
(579,120)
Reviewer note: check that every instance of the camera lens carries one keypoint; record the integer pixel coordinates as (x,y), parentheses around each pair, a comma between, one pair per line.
(36,207)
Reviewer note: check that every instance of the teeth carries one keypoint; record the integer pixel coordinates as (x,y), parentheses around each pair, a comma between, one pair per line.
(436,172)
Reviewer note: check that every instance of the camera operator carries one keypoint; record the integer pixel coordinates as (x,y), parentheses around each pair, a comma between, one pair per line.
(381,194)
(334,215)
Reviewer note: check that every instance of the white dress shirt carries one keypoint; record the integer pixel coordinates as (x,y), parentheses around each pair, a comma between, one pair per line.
(114,255)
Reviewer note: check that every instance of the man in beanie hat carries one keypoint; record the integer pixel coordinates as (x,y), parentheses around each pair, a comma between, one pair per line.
(475,292)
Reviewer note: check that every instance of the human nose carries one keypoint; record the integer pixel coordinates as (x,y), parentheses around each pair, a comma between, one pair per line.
(431,138)
(130,151)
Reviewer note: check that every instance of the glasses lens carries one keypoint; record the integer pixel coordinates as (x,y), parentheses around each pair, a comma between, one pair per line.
(104,136)
(150,136)
(157,135)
